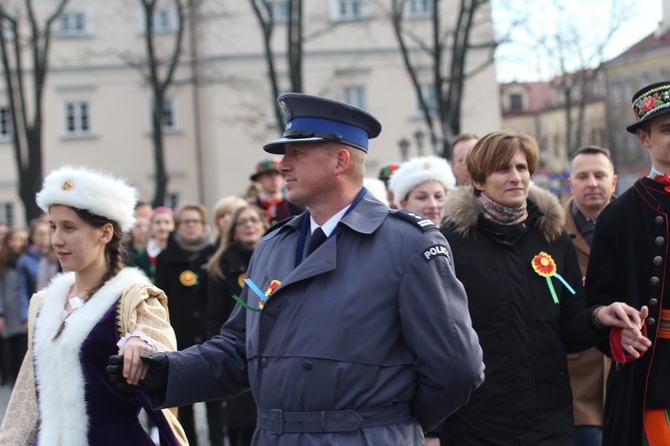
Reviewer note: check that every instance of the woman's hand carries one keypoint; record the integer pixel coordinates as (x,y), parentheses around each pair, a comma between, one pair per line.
(431,441)
(133,368)
(622,315)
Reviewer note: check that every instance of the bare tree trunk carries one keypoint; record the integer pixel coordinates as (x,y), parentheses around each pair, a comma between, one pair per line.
(295,39)
(159,87)
(27,131)
(265,18)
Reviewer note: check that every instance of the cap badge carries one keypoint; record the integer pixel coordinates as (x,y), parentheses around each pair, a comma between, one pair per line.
(67,185)
(285,109)
(426,166)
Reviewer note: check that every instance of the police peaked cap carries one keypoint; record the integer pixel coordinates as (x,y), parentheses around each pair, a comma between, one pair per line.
(313,118)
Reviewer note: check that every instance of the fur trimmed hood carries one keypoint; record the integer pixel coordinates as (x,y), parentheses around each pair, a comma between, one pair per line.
(462,210)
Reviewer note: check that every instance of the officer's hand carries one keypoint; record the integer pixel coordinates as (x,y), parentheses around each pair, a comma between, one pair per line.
(155,379)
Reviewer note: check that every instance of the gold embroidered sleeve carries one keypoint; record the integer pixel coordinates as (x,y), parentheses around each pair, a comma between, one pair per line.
(19,425)
(151,319)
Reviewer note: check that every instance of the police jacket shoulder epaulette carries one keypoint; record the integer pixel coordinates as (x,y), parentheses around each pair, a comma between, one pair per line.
(418,220)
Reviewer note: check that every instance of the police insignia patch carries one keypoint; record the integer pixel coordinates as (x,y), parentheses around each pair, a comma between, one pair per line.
(435,251)
(285,110)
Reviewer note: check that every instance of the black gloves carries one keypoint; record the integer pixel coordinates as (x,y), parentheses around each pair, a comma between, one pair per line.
(155,381)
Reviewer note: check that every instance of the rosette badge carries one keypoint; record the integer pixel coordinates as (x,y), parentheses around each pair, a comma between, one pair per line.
(545,267)
(263,297)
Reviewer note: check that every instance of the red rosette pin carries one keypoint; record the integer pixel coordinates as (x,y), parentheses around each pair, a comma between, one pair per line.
(546,267)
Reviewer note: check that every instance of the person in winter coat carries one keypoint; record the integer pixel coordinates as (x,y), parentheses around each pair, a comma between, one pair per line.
(161,225)
(96,309)
(526,299)
(352,328)
(13,310)
(39,238)
(592,182)
(180,273)
(227,271)
(629,262)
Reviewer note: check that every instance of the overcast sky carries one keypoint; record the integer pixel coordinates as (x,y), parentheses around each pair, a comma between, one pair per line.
(522,61)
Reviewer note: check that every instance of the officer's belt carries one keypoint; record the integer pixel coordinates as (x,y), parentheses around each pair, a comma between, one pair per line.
(278,422)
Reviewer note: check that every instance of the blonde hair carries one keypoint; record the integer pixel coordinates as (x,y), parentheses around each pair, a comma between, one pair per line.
(224,206)
(228,239)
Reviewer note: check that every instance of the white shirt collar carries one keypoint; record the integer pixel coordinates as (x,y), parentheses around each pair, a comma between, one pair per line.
(329,226)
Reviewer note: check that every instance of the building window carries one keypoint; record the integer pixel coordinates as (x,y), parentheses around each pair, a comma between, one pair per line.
(355,96)
(428,93)
(515,102)
(172,200)
(7,214)
(74,24)
(352,9)
(5,124)
(169,121)
(616,93)
(663,74)
(418,8)
(164,19)
(77,118)
(646,79)
(279,11)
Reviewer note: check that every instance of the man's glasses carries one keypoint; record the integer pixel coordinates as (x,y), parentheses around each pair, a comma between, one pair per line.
(191,222)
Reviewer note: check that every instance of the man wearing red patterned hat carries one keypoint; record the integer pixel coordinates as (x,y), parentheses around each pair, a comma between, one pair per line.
(271,198)
(629,263)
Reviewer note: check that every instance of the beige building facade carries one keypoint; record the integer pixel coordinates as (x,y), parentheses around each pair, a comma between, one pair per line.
(219,109)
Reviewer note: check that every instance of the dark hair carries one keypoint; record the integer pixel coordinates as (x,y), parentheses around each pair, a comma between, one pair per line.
(591,150)
(6,256)
(113,249)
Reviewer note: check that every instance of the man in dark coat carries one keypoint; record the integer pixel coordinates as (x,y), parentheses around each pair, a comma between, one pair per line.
(629,262)
(592,182)
(367,340)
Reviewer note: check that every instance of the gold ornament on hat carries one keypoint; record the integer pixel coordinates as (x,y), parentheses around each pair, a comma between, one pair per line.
(426,166)
(67,185)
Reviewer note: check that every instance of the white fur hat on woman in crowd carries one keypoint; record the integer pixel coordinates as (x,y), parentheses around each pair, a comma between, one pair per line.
(418,170)
(92,191)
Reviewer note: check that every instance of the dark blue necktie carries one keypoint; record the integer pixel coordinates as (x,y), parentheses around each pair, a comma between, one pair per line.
(317,238)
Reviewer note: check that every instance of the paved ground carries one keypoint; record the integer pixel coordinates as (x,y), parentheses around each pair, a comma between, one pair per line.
(201,419)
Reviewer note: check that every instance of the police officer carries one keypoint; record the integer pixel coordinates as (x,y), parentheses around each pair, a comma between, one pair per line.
(361,339)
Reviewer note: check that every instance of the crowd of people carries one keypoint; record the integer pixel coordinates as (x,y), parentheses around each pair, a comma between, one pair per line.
(461,305)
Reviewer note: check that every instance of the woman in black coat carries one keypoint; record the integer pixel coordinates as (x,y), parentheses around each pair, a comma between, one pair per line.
(227,270)
(525,296)
(180,273)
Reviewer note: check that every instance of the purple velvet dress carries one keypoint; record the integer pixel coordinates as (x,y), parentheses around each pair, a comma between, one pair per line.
(113,414)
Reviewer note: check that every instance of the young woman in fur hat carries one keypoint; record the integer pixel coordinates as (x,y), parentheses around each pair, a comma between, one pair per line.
(95,309)
(420,185)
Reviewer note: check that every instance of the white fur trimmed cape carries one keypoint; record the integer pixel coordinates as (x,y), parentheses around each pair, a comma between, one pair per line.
(53,365)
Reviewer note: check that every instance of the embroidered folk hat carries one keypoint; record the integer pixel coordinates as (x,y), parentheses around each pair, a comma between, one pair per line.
(314,118)
(387,170)
(650,102)
(263,166)
(418,170)
(90,190)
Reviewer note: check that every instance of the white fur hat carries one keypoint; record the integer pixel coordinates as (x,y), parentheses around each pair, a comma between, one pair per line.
(418,170)
(95,192)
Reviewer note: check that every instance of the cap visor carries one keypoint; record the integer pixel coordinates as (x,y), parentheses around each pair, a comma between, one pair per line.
(276,147)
